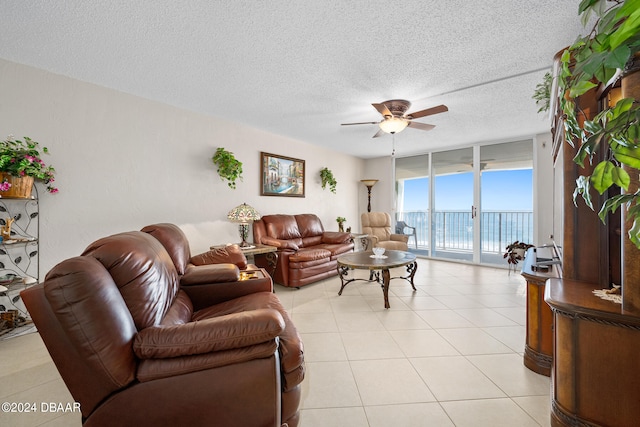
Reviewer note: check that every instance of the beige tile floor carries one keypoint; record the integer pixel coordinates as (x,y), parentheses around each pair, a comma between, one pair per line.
(449,354)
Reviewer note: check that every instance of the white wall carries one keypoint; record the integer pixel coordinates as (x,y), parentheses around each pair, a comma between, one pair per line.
(543,189)
(124,162)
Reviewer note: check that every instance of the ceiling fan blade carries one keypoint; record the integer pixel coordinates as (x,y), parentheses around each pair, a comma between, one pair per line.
(421,126)
(379,133)
(361,123)
(428,112)
(382,109)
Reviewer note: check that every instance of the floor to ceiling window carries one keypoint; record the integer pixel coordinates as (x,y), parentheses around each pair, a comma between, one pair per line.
(468,204)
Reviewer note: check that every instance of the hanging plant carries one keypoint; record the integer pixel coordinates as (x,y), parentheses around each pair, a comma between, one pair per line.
(229,168)
(327,179)
(542,94)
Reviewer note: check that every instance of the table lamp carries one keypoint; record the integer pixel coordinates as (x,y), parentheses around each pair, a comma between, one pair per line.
(244,214)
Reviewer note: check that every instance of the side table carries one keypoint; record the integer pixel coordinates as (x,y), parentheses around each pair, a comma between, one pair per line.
(361,242)
(270,253)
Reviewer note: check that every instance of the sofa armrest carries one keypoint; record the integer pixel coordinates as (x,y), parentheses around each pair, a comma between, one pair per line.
(279,243)
(399,238)
(210,273)
(230,254)
(336,237)
(231,331)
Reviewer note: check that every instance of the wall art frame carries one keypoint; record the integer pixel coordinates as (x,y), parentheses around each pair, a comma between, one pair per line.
(281,176)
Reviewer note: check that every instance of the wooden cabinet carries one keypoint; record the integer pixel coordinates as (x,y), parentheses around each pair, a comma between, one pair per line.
(596,343)
(538,348)
(595,379)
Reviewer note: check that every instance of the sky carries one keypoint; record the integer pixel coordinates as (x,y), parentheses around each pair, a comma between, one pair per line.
(505,190)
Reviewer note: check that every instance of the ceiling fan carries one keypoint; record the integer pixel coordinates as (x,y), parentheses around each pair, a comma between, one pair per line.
(395,120)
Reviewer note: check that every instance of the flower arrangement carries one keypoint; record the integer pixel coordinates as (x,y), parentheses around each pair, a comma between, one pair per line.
(22,158)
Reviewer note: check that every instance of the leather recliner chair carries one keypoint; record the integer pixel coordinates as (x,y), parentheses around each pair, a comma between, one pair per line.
(378,226)
(133,350)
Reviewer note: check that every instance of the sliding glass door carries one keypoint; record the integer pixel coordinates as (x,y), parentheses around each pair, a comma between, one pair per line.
(506,188)
(468,204)
(452,221)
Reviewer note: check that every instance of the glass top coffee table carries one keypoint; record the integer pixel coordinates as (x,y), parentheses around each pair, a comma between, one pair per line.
(376,266)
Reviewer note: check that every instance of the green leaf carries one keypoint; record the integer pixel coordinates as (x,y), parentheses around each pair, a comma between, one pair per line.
(634,232)
(581,88)
(620,177)
(612,204)
(630,27)
(618,57)
(628,155)
(582,189)
(602,176)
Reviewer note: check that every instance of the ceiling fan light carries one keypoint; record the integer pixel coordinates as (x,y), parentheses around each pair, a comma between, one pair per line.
(393,125)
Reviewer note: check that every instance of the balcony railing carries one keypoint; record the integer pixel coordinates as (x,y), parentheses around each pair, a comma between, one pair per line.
(453,230)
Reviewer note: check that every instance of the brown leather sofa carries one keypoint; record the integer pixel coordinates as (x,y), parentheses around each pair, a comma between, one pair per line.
(306,253)
(143,337)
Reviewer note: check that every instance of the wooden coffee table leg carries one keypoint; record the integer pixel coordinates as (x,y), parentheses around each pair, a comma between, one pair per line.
(386,278)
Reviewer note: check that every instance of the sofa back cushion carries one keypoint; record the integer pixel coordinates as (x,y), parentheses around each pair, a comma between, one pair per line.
(143,271)
(309,225)
(377,224)
(92,341)
(174,241)
(282,227)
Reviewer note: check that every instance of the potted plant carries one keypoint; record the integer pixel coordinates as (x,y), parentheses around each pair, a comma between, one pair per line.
(515,252)
(341,220)
(20,165)
(229,168)
(326,176)
(599,61)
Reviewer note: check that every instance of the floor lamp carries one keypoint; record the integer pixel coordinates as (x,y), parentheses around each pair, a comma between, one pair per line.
(369,183)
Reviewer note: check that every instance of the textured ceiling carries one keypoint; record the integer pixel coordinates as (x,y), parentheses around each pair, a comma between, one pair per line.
(301,68)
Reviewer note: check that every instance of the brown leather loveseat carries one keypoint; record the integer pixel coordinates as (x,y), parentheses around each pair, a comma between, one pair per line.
(306,253)
(137,346)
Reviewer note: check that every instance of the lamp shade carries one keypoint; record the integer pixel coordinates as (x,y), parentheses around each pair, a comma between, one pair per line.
(369,182)
(243,214)
(393,124)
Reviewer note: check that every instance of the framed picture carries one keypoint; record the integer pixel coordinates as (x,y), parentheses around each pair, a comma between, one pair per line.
(281,176)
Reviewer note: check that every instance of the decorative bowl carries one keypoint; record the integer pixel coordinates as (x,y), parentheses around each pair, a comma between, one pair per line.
(377,251)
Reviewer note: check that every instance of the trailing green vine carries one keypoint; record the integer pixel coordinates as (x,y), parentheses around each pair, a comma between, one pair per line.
(595,61)
(229,168)
(327,179)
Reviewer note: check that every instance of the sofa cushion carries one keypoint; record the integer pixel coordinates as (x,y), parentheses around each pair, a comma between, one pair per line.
(143,271)
(337,249)
(310,255)
(336,237)
(281,226)
(309,225)
(89,307)
(174,241)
